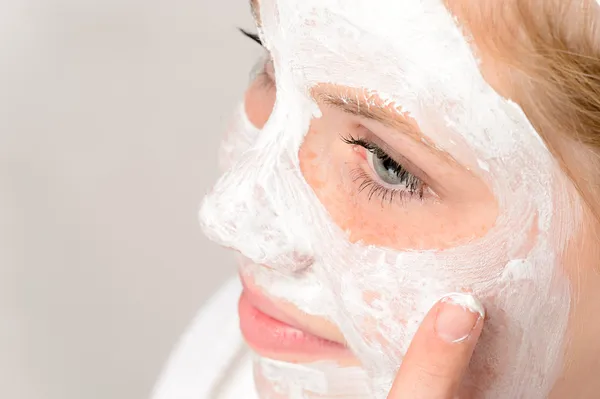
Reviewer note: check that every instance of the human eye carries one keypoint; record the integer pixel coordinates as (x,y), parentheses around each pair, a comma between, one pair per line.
(387,178)
(263,71)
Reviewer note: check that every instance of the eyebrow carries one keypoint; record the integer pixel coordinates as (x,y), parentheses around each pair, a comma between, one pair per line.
(367,108)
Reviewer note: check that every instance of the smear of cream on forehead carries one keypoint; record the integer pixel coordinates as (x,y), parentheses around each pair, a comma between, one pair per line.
(411,54)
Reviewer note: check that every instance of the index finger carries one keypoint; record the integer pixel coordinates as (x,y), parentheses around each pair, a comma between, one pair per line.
(440,352)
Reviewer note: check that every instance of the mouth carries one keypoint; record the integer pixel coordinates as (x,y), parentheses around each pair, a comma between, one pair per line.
(272,333)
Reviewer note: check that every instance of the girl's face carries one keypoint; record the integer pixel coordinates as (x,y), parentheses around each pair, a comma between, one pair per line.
(366,180)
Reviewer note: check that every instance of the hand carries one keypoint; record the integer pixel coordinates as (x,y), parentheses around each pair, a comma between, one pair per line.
(440,352)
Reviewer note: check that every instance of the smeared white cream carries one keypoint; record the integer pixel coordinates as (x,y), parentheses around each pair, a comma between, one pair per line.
(240,136)
(466,301)
(412,55)
(302,381)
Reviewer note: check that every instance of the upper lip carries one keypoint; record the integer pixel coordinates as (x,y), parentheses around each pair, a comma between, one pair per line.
(268,307)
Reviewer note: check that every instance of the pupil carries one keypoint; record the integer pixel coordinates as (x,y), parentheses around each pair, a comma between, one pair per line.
(387,170)
(389,165)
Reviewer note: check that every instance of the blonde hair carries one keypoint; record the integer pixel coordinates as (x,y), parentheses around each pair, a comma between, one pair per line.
(549,52)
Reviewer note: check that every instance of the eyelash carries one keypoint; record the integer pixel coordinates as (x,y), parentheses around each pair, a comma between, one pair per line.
(250,35)
(414,187)
(262,76)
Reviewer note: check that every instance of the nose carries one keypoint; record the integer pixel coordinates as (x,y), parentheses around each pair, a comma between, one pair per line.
(254,208)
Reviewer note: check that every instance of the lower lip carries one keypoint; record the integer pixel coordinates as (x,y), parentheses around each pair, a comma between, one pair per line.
(273,338)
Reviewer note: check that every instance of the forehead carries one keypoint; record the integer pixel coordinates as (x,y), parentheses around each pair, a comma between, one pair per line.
(412,55)
(408,39)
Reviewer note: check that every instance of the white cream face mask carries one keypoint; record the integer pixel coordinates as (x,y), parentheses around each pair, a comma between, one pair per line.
(411,54)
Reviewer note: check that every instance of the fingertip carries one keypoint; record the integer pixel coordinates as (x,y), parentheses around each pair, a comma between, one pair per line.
(459,318)
(441,350)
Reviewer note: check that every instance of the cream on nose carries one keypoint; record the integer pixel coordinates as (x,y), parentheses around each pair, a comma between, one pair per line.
(240,136)
(240,214)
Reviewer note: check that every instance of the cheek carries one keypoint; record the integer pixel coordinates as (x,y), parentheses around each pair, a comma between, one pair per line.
(323,167)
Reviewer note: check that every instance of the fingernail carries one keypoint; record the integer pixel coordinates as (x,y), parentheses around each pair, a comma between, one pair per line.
(457,316)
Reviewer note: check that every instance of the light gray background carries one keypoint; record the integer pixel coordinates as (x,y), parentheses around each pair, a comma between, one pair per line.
(110,116)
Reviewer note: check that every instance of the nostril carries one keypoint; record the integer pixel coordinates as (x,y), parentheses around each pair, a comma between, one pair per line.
(302,262)
(291,262)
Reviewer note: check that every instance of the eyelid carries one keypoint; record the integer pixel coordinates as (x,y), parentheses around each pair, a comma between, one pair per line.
(412,187)
(394,155)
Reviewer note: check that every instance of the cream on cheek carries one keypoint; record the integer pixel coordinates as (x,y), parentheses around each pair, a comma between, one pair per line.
(377,296)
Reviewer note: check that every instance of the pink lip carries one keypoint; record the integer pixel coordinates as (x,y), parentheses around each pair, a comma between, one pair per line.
(272,333)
